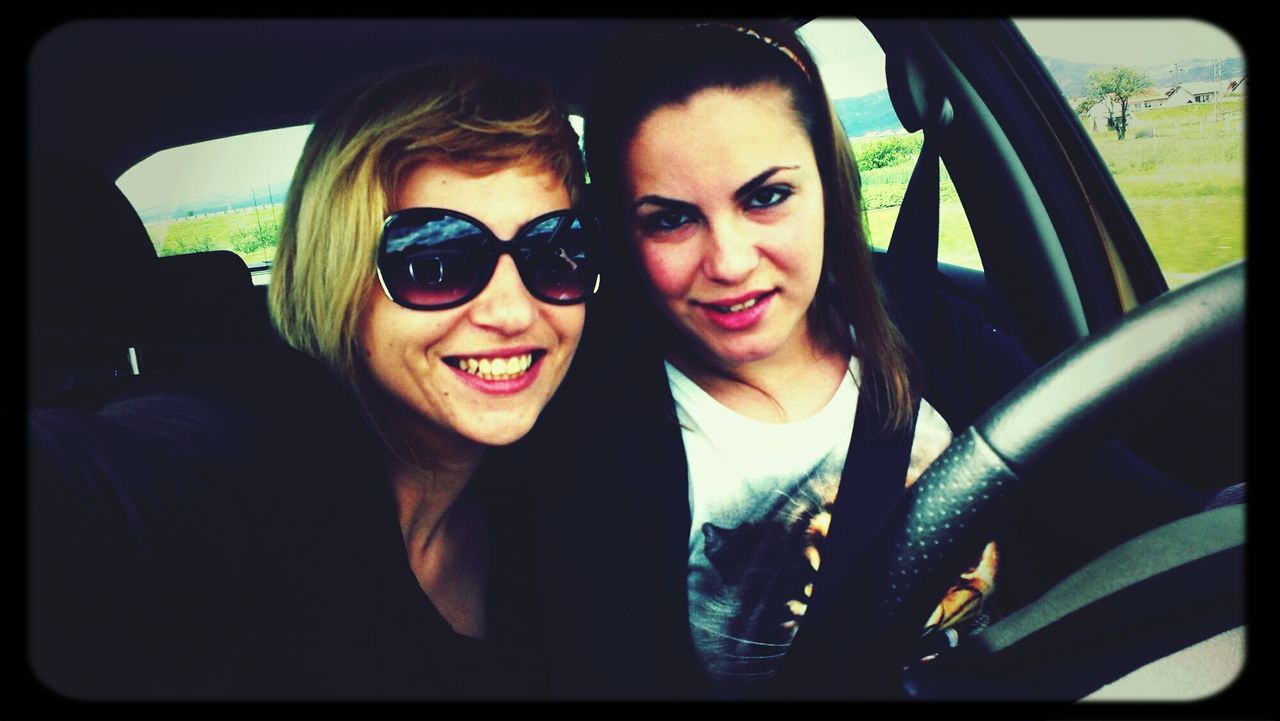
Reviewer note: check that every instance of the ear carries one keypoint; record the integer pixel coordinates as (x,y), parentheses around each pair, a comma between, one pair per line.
(715,539)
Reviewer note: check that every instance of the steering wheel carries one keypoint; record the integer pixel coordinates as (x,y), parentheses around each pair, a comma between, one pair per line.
(1074,401)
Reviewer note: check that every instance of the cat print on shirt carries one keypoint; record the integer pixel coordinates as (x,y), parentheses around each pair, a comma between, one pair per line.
(746,606)
(749,599)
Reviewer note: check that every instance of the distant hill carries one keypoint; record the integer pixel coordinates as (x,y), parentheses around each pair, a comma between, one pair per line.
(868,114)
(1072,77)
(873,113)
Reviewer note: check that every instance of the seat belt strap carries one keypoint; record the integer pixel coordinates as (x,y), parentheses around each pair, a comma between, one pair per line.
(911,261)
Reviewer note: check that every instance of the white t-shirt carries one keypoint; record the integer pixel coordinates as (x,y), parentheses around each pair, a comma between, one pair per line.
(760,495)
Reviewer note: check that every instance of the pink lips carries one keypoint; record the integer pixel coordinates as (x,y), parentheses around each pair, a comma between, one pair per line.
(502,387)
(739,320)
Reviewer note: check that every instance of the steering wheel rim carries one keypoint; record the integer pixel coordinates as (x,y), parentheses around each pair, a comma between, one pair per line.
(944,520)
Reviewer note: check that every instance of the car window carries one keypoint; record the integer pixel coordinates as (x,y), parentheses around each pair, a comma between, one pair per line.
(224,194)
(1164,102)
(852,65)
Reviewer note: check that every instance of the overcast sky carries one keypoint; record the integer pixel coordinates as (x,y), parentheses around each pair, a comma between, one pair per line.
(215,168)
(846,50)
(851,60)
(1136,41)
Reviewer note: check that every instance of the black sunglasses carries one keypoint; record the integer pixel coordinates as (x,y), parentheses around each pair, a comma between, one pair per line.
(432,259)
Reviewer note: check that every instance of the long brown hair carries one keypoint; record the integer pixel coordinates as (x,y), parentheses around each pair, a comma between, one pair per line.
(667,67)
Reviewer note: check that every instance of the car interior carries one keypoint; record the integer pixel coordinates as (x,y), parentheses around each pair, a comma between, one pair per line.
(1066,271)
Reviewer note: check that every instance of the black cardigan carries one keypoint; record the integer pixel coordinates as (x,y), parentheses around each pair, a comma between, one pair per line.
(230,539)
(611,548)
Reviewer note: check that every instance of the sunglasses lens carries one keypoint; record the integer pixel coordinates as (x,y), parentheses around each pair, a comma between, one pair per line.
(435,261)
(558,265)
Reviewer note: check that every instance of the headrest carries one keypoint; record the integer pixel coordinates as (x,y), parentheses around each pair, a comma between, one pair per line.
(90,278)
(210,296)
(91,263)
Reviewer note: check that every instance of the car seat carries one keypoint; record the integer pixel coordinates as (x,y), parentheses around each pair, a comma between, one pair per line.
(104,309)
(91,270)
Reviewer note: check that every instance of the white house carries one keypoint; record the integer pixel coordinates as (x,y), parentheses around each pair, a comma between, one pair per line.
(1202,91)
(1148,98)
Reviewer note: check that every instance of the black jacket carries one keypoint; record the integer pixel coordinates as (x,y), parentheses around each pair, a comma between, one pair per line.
(233,537)
(613,527)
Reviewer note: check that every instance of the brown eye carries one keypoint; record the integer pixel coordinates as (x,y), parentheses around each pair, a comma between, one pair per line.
(665,221)
(768,197)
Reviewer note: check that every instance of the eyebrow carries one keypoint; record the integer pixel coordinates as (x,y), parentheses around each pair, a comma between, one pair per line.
(746,189)
(754,184)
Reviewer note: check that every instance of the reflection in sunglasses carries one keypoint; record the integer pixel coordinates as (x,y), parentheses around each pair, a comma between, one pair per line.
(436,231)
(572,265)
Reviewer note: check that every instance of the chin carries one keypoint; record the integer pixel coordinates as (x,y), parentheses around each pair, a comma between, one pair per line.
(497,434)
(747,352)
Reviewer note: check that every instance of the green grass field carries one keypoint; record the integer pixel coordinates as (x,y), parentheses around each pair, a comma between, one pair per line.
(1184,184)
(1187,191)
(1195,120)
(955,237)
(215,232)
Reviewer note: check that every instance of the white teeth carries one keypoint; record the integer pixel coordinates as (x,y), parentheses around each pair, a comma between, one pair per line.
(737,306)
(497,368)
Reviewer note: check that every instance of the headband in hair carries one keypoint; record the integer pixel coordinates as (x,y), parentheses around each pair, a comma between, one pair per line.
(766,39)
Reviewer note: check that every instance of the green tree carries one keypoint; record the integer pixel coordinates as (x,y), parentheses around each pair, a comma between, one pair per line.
(1113,88)
(889,152)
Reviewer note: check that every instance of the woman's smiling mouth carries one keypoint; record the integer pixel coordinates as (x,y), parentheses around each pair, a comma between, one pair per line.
(737,313)
(498,373)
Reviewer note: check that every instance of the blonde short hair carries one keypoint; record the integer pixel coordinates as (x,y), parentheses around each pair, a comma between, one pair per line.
(452,110)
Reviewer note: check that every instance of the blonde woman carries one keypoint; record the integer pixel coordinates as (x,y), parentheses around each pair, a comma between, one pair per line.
(319,524)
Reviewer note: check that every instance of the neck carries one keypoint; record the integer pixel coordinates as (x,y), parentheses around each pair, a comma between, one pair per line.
(430,468)
(791,384)
(446,536)
(426,494)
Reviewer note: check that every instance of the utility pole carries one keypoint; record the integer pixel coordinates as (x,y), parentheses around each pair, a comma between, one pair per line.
(1217,88)
(271,199)
(256,218)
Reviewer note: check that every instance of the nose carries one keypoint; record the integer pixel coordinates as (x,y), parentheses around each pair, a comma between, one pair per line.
(504,305)
(731,254)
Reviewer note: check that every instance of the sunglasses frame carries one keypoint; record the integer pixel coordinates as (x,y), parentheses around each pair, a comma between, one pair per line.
(493,245)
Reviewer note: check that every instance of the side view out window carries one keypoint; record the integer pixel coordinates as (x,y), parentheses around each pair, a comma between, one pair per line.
(1164,101)
(852,65)
(225,194)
